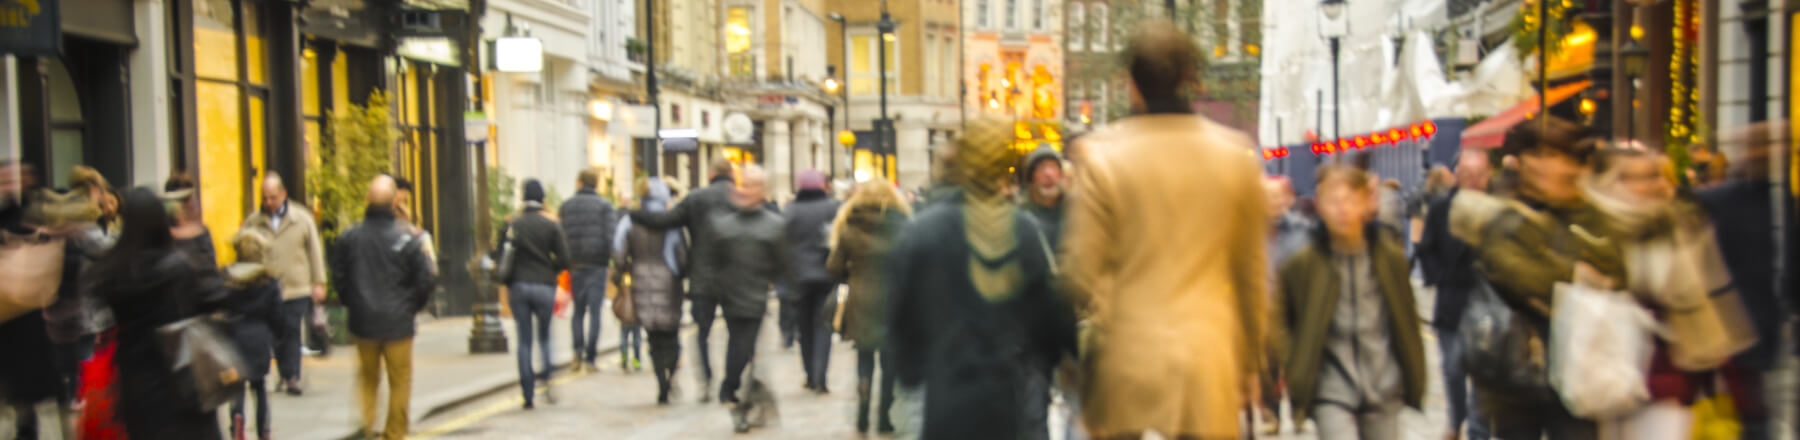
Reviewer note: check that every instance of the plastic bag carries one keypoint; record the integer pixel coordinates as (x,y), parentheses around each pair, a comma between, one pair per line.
(1716,418)
(1600,348)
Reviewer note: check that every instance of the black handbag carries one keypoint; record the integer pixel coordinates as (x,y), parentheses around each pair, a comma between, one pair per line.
(503,269)
(199,352)
(1502,348)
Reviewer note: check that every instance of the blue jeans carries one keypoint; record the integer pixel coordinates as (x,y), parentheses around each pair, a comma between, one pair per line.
(589,284)
(1457,391)
(532,304)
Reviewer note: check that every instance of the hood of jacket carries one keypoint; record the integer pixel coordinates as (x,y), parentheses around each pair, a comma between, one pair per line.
(657,199)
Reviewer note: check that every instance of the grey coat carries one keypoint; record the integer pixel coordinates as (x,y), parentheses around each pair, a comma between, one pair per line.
(749,257)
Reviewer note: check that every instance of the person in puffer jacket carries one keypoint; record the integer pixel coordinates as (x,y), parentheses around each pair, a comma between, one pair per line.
(655,259)
(254,305)
(587,222)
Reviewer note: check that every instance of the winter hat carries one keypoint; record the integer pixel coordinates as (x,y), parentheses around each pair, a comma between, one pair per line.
(811,179)
(534,191)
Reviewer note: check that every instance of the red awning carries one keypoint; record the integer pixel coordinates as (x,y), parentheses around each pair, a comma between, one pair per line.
(1491,132)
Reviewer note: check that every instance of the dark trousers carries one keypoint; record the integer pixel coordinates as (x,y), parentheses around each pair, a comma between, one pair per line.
(589,284)
(866,361)
(631,343)
(813,323)
(68,366)
(665,350)
(790,316)
(532,304)
(1534,420)
(261,393)
(738,352)
(287,336)
(1456,387)
(704,309)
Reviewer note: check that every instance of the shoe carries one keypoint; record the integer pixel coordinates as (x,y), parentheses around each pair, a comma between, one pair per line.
(637,365)
(885,427)
(293,387)
(549,394)
(237,427)
(740,413)
(529,406)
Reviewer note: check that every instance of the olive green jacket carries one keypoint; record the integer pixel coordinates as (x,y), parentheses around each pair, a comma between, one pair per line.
(1309,297)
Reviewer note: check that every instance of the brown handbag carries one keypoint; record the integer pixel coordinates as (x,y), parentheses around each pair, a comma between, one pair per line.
(623,308)
(32,267)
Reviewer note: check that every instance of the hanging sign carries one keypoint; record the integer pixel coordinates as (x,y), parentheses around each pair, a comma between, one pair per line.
(518,54)
(30,27)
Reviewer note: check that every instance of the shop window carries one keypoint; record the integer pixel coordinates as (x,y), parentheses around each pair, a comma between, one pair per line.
(864,65)
(738,35)
(230,111)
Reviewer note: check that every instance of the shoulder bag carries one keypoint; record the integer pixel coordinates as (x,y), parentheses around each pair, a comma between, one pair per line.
(32,266)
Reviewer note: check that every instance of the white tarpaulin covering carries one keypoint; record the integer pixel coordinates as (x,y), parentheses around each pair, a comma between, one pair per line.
(1375,90)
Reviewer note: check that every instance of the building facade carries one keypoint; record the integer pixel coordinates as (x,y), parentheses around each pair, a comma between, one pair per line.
(923,58)
(1013,65)
(230,91)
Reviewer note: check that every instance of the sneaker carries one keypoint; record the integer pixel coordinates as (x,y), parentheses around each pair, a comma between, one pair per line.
(529,406)
(293,387)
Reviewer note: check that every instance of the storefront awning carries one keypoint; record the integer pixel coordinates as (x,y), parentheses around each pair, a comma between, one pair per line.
(1491,132)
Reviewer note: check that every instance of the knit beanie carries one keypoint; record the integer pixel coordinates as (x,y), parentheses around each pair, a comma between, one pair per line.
(534,191)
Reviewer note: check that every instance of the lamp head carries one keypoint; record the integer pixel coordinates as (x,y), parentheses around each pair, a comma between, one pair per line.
(1333,8)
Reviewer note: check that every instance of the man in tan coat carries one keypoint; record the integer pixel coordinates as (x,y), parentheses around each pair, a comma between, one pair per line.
(297,259)
(1164,250)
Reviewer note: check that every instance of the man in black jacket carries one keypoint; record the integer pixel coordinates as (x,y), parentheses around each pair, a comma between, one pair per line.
(384,280)
(1742,211)
(695,213)
(1449,265)
(750,256)
(587,219)
(808,218)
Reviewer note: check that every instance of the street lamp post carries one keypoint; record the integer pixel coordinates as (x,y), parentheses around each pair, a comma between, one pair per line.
(884,138)
(1634,56)
(831,87)
(843,89)
(1334,10)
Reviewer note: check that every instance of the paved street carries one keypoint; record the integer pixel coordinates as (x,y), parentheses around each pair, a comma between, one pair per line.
(616,405)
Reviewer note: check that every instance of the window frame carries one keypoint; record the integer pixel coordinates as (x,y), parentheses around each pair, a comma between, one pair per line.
(873,74)
(1077,31)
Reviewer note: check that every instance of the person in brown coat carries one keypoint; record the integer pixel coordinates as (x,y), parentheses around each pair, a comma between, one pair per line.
(1167,259)
(860,237)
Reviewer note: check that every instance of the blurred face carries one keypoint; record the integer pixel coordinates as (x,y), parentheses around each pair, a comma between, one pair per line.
(1641,179)
(1344,209)
(1550,176)
(750,191)
(403,205)
(1279,196)
(274,195)
(1472,172)
(109,204)
(1047,178)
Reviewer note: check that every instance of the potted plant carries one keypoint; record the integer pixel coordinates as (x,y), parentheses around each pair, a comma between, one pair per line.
(355,151)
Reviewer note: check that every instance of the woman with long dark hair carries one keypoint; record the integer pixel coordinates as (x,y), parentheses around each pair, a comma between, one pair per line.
(148,283)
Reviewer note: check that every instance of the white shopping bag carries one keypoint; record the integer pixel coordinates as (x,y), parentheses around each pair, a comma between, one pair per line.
(1600,348)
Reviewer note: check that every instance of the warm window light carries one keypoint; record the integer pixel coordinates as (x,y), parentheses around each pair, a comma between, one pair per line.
(1588,107)
(601,110)
(1253,49)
